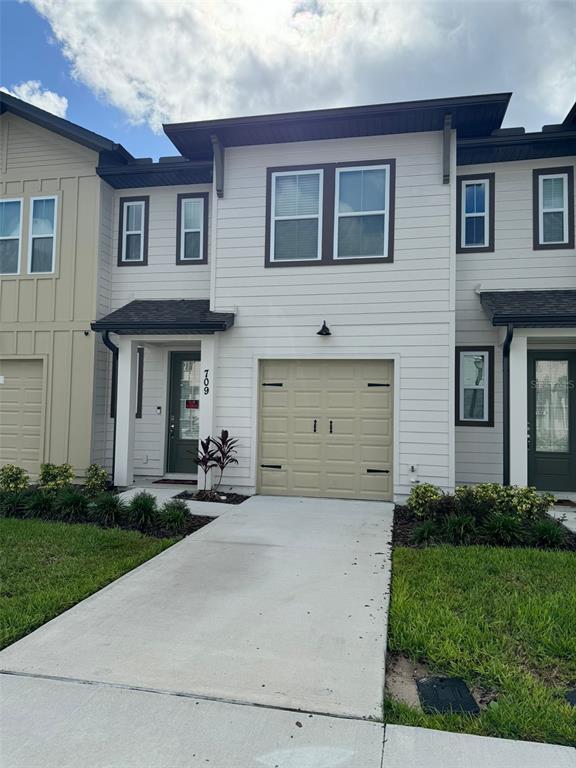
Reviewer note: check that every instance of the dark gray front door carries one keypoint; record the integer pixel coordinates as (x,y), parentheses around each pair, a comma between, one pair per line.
(183,411)
(552,420)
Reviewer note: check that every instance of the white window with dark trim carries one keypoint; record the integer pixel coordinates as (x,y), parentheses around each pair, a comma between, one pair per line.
(296,216)
(42,246)
(475,213)
(10,236)
(192,229)
(361,219)
(553,209)
(133,224)
(475,383)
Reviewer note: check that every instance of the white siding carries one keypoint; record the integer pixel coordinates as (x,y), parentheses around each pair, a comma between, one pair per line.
(514,265)
(400,310)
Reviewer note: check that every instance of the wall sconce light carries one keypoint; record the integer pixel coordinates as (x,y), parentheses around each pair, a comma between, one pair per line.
(324,331)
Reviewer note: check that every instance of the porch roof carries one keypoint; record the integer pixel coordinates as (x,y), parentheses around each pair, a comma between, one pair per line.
(531,309)
(165,316)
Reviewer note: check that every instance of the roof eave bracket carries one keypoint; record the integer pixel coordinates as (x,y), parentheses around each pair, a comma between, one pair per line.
(218,150)
(446,142)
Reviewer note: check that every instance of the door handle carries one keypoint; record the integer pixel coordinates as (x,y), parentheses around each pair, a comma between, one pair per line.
(330,426)
(315,424)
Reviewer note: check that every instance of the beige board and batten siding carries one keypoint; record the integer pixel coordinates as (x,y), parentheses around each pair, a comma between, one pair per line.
(44,317)
(326,428)
(514,265)
(398,311)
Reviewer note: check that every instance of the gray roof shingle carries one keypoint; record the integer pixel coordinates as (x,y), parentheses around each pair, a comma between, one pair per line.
(165,316)
(531,309)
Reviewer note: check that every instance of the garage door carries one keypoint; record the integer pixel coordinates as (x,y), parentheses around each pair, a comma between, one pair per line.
(21,413)
(326,428)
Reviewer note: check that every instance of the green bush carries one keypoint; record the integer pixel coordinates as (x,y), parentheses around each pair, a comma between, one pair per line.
(96,480)
(108,510)
(55,476)
(174,516)
(13,478)
(425,533)
(39,503)
(522,503)
(143,511)
(458,529)
(547,534)
(71,505)
(503,530)
(420,498)
(469,502)
(12,503)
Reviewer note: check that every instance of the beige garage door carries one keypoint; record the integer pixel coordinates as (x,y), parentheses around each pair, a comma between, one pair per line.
(326,428)
(21,385)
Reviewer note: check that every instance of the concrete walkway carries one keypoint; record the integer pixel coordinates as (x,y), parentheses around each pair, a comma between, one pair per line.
(262,633)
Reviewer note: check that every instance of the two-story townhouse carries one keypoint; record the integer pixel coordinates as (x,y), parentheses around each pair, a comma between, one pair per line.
(50,239)
(301,295)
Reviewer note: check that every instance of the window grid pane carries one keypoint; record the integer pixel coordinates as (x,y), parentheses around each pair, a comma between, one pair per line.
(134,217)
(192,214)
(553,227)
(297,195)
(10,218)
(43,217)
(552,406)
(473,386)
(9,257)
(553,193)
(132,251)
(296,240)
(475,198)
(41,255)
(191,246)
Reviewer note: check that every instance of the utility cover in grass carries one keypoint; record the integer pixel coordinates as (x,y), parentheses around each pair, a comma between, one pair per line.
(447,695)
(571,697)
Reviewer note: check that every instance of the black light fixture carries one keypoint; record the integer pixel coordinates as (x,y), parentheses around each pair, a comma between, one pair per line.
(324,331)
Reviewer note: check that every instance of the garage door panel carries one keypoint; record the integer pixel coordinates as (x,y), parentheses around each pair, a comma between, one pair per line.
(274,398)
(312,400)
(21,401)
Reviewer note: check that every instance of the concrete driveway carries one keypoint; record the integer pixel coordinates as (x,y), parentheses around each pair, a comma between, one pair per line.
(267,625)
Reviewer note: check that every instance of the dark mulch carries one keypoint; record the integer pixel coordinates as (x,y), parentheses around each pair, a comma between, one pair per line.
(165,481)
(405,523)
(564,503)
(218,496)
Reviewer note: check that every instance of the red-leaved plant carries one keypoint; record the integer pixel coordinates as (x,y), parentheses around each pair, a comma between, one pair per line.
(225,452)
(206,458)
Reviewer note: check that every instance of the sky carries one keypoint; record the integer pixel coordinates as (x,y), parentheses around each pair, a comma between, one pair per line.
(123,67)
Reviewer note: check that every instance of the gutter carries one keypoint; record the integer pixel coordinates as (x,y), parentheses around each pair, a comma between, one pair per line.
(506,402)
(114,349)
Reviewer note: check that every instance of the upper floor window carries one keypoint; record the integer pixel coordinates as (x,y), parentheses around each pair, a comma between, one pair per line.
(475,213)
(192,229)
(329,214)
(553,212)
(296,216)
(475,386)
(361,220)
(133,231)
(42,235)
(10,236)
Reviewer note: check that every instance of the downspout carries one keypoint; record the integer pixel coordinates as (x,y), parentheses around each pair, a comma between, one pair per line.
(506,402)
(114,349)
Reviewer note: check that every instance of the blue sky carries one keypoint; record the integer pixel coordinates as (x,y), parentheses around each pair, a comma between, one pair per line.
(28,51)
(124,67)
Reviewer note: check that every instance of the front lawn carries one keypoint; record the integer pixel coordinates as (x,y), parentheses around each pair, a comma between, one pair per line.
(502,619)
(47,567)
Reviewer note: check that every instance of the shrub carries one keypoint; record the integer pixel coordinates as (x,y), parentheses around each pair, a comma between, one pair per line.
(143,511)
(469,502)
(502,529)
(547,534)
(522,503)
(174,516)
(442,508)
(421,495)
(12,503)
(108,510)
(225,453)
(39,503)
(425,533)
(71,505)
(55,476)
(96,480)
(458,529)
(206,457)
(13,478)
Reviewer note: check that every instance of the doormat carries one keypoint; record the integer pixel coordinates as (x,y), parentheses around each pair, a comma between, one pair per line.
(446,695)
(164,481)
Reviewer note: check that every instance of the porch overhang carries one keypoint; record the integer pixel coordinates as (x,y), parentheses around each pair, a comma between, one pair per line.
(158,317)
(531,309)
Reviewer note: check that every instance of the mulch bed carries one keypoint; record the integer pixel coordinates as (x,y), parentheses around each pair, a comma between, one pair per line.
(215,496)
(405,523)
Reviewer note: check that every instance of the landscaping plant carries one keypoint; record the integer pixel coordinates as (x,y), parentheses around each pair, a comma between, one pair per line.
(225,453)
(96,480)
(421,495)
(13,478)
(174,515)
(11,503)
(143,511)
(39,503)
(55,476)
(107,510)
(547,534)
(206,458)
(71,505)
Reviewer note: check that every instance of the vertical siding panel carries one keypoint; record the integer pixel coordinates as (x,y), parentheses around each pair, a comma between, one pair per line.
(66,267)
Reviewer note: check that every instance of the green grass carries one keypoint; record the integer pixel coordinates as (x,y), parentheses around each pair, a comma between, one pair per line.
(46,567)
(505,621)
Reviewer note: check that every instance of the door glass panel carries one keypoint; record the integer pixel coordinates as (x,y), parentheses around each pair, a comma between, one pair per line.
(188,425)
(552,397)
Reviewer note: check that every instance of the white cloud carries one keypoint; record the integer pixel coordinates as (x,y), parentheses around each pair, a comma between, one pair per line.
(164,61)
(33,92)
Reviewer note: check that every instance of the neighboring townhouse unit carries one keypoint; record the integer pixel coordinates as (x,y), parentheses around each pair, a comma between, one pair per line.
(49,250)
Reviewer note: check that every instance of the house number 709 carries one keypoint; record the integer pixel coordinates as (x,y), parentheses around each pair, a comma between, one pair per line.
(206,381)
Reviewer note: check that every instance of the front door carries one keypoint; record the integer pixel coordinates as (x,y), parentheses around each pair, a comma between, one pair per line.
(552,420)
(183,412)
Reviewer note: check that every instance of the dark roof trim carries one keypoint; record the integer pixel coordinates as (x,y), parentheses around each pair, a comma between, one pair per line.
(570,119)
(158,316)
(527,146)
(531,309)
(471,116)
(63,127)
(159,174)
